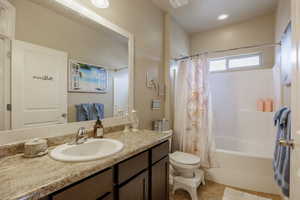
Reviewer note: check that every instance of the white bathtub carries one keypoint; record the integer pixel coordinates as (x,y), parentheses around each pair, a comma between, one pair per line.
(246,165)
(245,137)
(256,147)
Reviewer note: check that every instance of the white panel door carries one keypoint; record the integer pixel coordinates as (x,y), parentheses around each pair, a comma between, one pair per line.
(39,85)
(2,85)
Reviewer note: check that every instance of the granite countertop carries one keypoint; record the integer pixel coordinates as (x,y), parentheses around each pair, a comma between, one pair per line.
(31,179)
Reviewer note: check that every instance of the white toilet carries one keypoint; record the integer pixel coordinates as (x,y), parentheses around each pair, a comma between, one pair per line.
(184,164)
(185,173)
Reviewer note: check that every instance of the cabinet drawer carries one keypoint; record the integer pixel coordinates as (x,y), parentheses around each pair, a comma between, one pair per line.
(89,189)
(131,167)
(160,151)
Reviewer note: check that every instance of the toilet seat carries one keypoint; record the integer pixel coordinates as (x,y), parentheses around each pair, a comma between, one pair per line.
(182,158)
(184,164)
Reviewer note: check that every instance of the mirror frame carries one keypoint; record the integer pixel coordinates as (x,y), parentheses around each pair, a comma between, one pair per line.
(18,135)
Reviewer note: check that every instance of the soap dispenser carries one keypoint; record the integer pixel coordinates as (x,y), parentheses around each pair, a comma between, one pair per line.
(98,129)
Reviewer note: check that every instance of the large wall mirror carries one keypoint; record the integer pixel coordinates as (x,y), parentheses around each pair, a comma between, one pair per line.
(67,64)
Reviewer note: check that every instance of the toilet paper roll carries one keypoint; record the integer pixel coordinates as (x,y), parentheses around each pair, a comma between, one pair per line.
(35,147)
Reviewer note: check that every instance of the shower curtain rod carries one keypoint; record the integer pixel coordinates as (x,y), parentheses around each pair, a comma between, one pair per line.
(225,50)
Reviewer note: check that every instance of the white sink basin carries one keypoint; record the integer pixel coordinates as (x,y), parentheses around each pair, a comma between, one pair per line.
(92,149)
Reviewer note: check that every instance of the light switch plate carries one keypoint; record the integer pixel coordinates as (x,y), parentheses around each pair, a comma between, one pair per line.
(156,104)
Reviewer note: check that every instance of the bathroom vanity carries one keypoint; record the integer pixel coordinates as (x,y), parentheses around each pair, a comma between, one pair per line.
(140,177)
(138,172)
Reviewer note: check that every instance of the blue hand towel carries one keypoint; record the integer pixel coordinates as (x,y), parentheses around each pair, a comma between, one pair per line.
(281,161)
(83,112)
(98,111)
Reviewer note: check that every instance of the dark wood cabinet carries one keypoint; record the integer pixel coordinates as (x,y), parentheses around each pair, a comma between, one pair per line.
(107,197)
(45,198)
(160,151)
(131,167)
(135,189)
(142,177)
(160,180)
(92,188)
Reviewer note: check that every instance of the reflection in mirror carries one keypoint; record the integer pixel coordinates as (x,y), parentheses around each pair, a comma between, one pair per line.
(64,68)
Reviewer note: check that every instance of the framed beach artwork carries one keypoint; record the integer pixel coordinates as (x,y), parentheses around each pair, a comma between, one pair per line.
(87,78)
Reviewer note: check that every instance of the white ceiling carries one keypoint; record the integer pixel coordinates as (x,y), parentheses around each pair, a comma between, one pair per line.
(201,15)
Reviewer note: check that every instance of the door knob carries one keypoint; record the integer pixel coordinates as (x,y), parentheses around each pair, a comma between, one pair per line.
(287,143)
(64,115)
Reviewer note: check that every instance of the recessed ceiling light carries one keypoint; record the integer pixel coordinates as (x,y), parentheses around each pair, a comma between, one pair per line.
(101,3)
(223,16)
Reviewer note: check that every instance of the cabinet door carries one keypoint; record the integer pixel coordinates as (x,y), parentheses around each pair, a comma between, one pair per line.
(160,180)
(135,189)
(160,151)
(131,167)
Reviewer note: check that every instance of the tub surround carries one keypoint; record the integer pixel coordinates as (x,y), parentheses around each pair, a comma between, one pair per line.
(35,178)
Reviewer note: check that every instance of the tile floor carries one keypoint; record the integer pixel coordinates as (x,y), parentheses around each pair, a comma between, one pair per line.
(233,194)
(215,191)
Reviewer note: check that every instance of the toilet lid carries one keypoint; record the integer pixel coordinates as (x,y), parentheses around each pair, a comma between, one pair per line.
(184,158)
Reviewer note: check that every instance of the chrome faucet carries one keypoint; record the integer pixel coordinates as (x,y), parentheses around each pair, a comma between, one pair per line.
(81,136)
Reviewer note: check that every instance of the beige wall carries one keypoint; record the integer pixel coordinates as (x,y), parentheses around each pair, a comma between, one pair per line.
(143,19)
(80,41)
(176,44)
(180,41)
(180,46)
(255,31)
